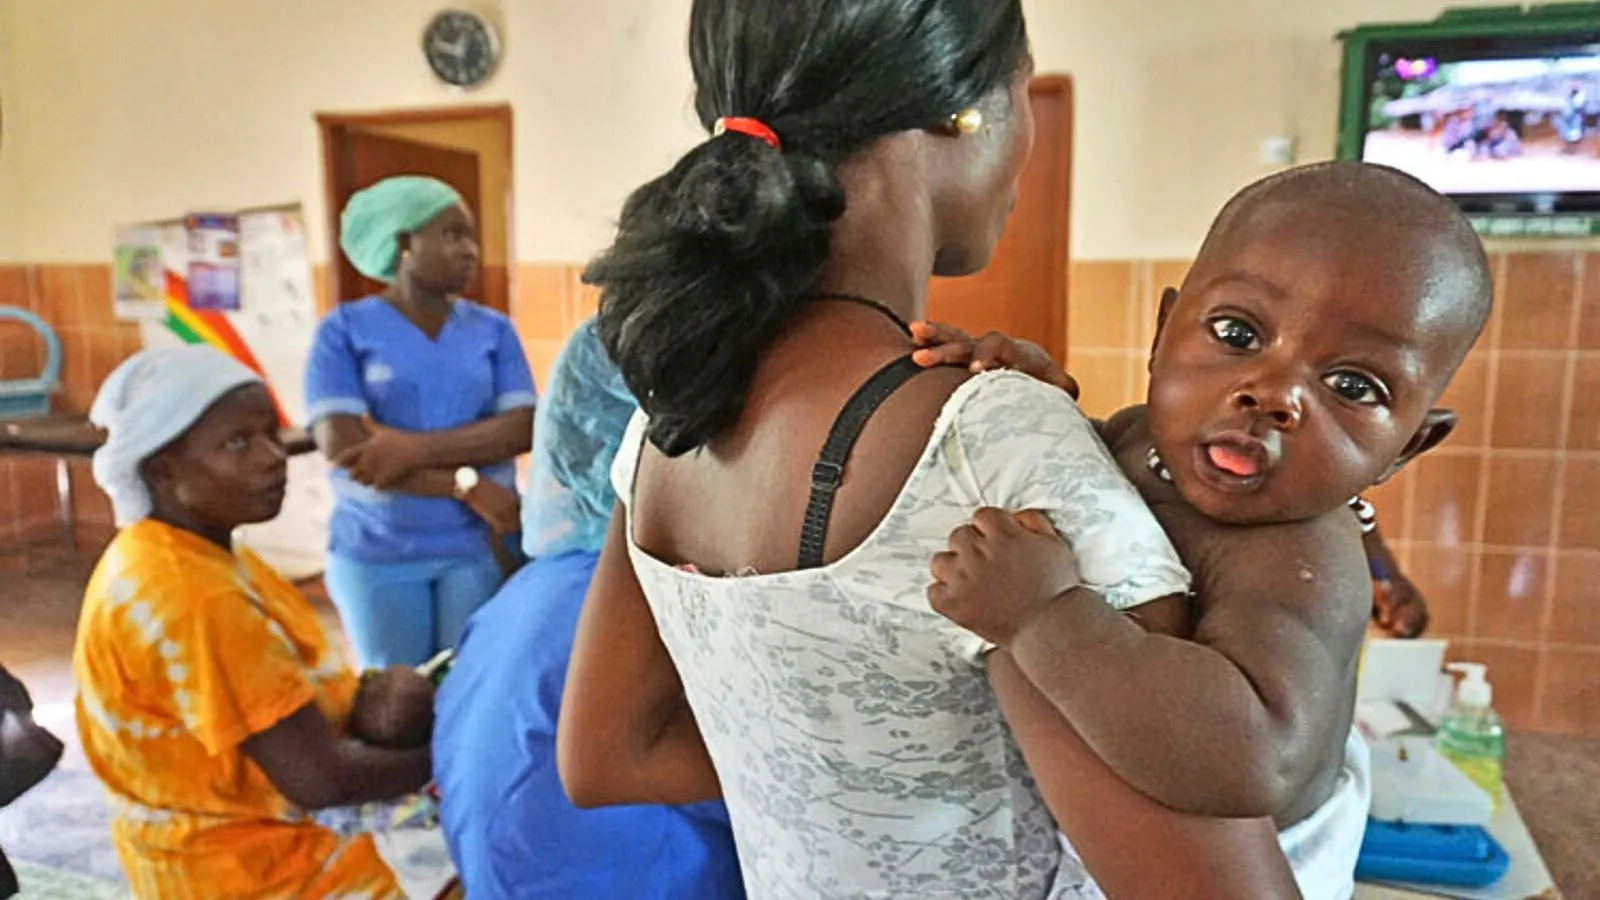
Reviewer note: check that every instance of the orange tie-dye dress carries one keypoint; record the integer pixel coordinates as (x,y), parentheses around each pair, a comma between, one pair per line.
(185,650)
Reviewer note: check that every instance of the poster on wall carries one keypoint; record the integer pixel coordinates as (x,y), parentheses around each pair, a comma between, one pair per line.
(213,261)
(138,279)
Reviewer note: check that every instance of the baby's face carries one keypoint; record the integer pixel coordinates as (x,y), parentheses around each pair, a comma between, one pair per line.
(1300,360)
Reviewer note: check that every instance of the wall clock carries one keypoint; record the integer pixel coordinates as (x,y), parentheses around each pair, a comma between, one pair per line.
(462,48)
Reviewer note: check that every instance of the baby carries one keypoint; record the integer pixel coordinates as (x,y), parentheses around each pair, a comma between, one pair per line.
(393,709)
(1298,365)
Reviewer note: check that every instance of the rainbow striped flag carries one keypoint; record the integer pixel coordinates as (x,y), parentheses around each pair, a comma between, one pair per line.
(212,328)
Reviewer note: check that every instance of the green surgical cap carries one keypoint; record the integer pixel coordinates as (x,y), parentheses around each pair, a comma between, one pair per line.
(374,219)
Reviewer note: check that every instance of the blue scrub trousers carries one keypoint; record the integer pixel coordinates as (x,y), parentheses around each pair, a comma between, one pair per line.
(405,613)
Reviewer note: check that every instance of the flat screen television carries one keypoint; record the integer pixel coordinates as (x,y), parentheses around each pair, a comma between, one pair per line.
(1497,108)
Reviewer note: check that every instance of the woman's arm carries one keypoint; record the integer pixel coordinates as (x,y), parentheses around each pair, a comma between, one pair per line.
(486,442)
(392,459)
(1134,847)
(339,436)
(236,682)
(316,769)
(1400,609)
(336,403)
(422,462)
(342,437)
(626,733)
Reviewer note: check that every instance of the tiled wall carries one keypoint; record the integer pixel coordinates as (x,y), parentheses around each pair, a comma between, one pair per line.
(1500,527)
(76,301)
(548,303)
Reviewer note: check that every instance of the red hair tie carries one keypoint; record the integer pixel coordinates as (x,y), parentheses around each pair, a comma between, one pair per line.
(751,127)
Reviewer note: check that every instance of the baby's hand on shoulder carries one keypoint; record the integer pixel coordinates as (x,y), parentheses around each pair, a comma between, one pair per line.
(946,345)
(1000,570)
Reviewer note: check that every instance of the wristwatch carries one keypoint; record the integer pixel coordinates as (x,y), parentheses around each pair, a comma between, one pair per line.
(466,480)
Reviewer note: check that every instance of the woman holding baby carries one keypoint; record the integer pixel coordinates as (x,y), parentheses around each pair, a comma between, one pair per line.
(781,654)
(211,704)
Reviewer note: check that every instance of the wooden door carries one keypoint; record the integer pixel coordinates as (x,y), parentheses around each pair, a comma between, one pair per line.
(362,159)
(1023,292)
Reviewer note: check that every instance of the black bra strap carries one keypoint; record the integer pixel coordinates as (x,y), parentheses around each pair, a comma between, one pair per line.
(828,473)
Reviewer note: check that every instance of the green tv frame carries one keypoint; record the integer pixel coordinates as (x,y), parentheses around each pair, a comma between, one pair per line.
(1484,22)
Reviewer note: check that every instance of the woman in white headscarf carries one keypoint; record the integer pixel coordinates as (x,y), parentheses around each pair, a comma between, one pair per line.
(210,703)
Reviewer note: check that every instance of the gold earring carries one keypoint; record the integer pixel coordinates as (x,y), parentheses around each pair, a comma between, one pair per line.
(969,121)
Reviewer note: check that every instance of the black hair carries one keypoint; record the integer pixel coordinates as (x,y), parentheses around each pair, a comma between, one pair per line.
(712,260)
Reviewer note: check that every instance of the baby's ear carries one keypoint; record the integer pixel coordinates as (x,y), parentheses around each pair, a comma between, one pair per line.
(1436,426)
(1169,299)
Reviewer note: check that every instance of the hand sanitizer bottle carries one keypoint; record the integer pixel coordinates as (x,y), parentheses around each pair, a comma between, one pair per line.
(1471,734)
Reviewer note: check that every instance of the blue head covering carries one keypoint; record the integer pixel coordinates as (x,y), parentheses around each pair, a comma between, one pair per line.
(577,430)
(373,220)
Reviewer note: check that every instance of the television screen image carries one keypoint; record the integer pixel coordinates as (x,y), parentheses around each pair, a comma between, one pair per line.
(1488,126)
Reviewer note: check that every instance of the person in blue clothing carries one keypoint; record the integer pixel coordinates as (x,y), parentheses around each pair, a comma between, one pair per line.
(422,401)
(511,829)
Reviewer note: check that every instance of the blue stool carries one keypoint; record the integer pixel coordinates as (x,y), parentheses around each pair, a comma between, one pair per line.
(26,398)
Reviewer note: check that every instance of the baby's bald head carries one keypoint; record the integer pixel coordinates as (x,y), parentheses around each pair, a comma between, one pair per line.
(1436,261)
(1324,316)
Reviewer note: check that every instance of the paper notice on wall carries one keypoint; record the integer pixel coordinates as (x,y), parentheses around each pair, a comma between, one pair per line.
(279,316)
(276,277)
(138,282)
(214,261)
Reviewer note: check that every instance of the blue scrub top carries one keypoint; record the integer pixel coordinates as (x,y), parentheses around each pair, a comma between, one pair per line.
(369,360)
(511,829)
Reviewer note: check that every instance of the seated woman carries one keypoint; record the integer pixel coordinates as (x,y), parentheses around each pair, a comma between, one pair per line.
(511,829)
(210,703)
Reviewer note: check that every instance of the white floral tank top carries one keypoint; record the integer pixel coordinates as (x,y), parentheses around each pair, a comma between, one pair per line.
(860,748)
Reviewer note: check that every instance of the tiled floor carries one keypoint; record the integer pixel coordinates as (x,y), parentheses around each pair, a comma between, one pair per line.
(1556,780)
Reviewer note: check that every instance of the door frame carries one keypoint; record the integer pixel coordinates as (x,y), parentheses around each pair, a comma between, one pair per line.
(334,127)
(1062,245)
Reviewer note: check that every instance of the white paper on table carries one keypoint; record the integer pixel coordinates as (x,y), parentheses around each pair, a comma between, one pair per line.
(1404,670)
(1379,719)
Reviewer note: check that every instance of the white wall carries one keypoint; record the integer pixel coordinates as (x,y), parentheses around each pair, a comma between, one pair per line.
(1174,97)
(10,189)
(118,111)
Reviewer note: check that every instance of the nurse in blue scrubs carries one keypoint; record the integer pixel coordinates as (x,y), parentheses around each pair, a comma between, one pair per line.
(511,829)
(422,401)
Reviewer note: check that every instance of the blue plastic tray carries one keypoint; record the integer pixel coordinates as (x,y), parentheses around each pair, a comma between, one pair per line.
(1452,855)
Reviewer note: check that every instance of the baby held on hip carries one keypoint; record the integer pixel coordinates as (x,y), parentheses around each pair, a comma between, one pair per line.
(1275,398)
